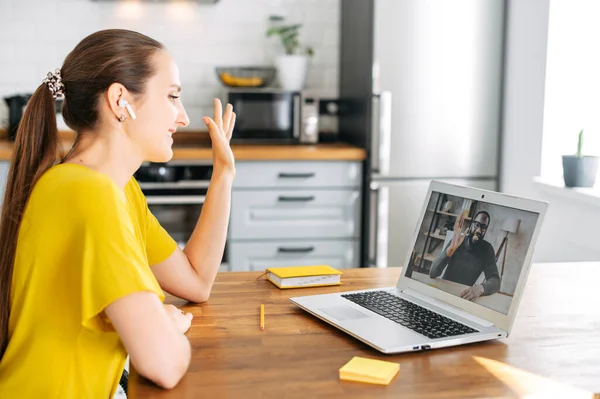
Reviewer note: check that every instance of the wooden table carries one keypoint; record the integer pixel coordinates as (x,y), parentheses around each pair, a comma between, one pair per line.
(554,348)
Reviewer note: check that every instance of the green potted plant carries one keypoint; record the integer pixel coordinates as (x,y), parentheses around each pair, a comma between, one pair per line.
(293,65)
(580,170)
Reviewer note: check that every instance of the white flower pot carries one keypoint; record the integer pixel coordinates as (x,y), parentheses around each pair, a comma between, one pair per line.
(291,71)
(580,171)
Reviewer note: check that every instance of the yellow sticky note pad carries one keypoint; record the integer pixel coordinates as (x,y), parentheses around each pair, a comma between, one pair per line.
(369,370)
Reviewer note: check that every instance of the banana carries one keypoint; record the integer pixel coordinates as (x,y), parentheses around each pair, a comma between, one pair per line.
(230,80)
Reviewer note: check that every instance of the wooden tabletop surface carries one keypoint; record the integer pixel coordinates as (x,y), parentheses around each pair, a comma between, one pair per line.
(553,351)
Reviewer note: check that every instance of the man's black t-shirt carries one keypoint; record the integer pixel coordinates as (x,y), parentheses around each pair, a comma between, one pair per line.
(466,265)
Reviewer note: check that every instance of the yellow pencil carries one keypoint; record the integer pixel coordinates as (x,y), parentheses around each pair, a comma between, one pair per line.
(262,317)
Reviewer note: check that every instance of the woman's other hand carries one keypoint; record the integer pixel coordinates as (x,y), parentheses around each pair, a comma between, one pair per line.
(220,129)
(180,319)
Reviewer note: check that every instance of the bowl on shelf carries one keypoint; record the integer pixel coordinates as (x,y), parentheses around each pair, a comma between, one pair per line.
(245,76)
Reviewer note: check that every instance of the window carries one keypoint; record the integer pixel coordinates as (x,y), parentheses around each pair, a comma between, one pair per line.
(572,93)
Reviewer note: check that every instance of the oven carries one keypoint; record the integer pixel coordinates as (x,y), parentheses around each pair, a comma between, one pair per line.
(175,192)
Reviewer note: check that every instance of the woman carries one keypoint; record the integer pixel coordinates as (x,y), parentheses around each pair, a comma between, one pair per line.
(82,260)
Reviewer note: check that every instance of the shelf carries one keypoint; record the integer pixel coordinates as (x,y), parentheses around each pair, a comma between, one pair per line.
(448,214)
(427,257)
(436,236)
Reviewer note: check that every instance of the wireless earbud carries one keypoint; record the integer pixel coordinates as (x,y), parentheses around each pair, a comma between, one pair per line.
(123,103)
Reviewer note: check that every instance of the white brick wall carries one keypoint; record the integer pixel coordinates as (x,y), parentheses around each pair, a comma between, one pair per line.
(36,35)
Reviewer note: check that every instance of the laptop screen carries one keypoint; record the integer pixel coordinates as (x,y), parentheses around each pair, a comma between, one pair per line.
(472,249)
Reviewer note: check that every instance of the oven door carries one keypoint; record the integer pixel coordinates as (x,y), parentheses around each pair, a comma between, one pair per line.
(177,206)
(266,117)
(178,215)
(179,220)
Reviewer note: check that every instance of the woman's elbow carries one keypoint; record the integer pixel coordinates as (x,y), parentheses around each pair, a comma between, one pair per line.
(167,374)
(200,296)
(167,380)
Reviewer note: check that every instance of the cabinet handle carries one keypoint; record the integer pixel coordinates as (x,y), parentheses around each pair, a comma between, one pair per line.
(375,131)
(381,132)
(175,200)
(373,225)
(296,175)
(296,199)
(295,250)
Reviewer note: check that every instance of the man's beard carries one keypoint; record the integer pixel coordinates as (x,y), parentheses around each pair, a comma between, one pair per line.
(474,243)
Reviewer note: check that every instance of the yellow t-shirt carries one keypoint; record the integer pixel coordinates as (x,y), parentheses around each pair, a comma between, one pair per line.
(81,246)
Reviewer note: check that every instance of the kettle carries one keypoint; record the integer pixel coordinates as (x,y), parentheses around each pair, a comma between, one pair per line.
(16,106)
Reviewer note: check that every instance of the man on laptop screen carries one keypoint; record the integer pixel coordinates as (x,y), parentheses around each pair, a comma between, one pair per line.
(473,260)
(467,256)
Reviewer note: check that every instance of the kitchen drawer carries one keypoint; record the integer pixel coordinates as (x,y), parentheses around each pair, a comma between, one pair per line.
(257,255)
(298,174)
(295,214)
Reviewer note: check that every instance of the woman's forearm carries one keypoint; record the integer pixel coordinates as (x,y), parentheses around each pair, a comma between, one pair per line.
(205,247)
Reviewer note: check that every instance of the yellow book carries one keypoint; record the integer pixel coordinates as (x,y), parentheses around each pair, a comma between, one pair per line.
(371,371)
(304,276)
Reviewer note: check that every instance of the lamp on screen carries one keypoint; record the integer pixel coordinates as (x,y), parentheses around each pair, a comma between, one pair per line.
(509,225)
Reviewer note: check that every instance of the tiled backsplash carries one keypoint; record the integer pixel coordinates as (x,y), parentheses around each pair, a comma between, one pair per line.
(36,35)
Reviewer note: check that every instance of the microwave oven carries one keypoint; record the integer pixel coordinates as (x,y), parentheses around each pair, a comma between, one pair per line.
(274,116)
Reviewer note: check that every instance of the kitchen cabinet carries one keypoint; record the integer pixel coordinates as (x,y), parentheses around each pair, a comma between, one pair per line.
(258,255)
(294,213)
(298,174)
(3,174)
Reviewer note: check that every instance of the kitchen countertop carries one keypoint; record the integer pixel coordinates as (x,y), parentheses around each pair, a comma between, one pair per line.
(248,152)
(190,146)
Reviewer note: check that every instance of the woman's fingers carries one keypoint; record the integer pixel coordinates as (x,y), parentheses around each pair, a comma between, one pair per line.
(227,118)
(212,127)
(218,113)
(229,132)
(222,124)
(224,121)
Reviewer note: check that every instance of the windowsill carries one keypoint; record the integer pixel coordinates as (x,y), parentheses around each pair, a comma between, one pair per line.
(589,196)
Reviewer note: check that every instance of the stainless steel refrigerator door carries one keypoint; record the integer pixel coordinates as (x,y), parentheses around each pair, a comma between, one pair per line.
(394,214)
(442,62)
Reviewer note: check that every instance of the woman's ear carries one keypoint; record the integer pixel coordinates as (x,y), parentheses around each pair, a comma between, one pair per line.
(125,104)
(114,95)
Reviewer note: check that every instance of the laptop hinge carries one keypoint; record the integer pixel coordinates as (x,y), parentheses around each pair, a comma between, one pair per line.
(449,308)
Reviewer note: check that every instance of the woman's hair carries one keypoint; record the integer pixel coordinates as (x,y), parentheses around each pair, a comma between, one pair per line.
(99,60)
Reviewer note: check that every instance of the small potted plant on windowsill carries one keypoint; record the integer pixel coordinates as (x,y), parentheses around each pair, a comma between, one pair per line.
(293,65)
(580,170)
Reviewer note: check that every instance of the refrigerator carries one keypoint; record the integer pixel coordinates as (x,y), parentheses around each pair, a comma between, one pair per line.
(421,91)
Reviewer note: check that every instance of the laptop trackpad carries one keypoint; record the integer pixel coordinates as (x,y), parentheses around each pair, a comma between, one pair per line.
(343,313)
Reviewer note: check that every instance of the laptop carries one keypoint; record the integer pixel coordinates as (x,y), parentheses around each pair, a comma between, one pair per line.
(461,282)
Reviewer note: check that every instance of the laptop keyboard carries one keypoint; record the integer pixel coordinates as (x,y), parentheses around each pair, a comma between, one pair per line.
(417,318)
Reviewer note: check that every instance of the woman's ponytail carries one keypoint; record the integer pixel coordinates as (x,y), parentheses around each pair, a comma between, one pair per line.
(35,151)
